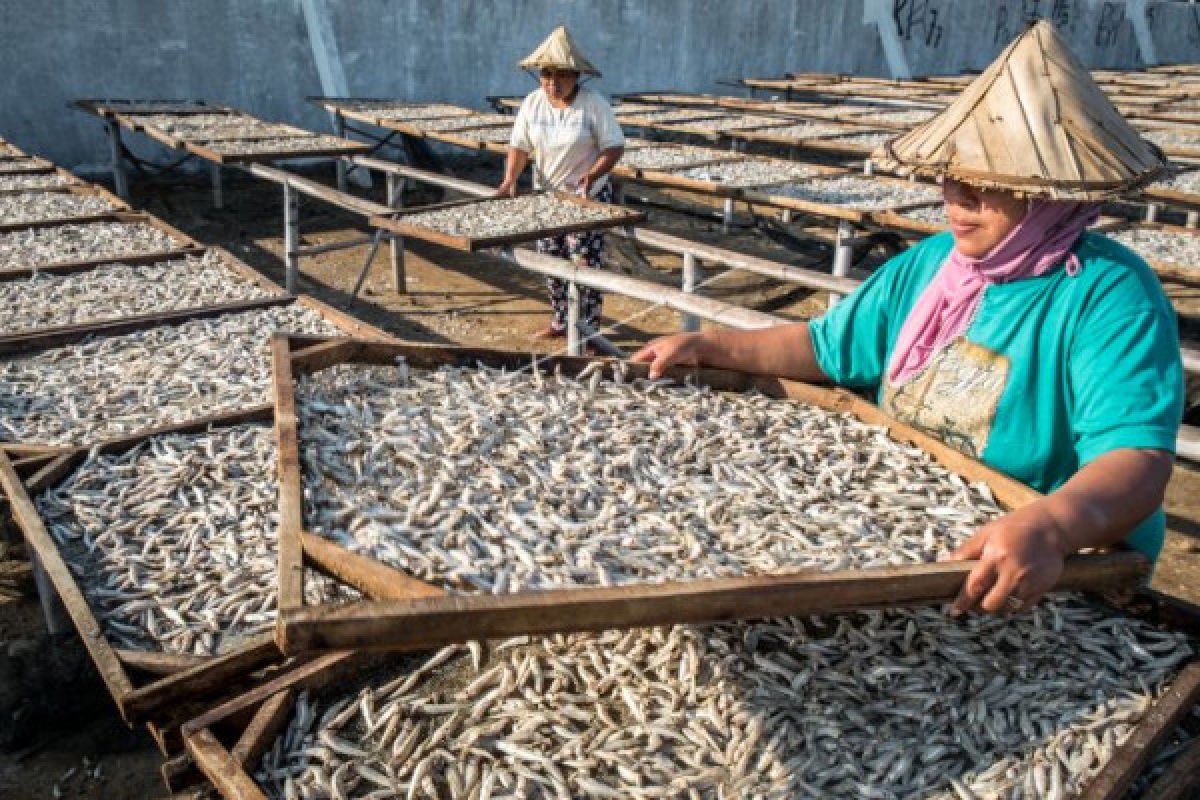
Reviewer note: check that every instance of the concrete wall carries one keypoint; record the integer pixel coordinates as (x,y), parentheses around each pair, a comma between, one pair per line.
(258,54)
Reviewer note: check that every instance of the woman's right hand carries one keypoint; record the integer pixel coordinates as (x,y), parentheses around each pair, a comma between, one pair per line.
(506,189)
(680,349)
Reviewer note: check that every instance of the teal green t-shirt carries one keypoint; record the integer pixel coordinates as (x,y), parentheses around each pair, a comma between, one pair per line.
(1052,372)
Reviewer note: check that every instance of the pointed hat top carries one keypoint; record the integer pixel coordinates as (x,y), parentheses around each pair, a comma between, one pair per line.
(559,51)
(1034,123)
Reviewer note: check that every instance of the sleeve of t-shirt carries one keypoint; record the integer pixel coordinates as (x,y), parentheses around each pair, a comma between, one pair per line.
(607,130)
(1126,386)
(851,339)
(520,132)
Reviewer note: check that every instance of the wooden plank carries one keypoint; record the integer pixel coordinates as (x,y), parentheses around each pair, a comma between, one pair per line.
(1151,732)
(21,166)
(1181,780)
(179,772)
(204,679)
(159,663)
(318,356)
(397,222)
(72,267)
(371,577)
(433,622)
(40,541)
(227,775)
(53,472)
(268,720)
(351,325)
(291,489)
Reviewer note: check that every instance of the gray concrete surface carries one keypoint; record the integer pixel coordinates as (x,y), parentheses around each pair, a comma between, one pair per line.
(259,55)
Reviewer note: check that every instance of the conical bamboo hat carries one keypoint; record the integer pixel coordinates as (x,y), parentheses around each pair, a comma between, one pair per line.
(559,51)
(1035,123)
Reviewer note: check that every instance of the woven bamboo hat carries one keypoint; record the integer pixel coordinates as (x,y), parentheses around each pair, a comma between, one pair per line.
(1034,123)
(559,51)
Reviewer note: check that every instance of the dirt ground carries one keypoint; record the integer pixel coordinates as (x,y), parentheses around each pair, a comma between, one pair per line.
(59,732)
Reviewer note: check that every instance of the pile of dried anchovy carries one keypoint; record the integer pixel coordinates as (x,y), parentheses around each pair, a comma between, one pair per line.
(115,385)
(750,172)
(202,127)
(898,704)
(35,180)
(862,194)
(480,480)
(284,144)
(736,123)
(121,290)
(41,206)
(406,111)
(806,130)
(1174,138)
(174,541)
(1182,182)
(510,215)
(905,117)
(37,247)
(935,215)
(459,122)
(495,133)
(21,164)
(864,140)
(1162,246)
(667,156)
(152,106)
(670,116)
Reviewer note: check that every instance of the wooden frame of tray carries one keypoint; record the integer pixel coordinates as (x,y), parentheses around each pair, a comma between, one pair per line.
(118,205)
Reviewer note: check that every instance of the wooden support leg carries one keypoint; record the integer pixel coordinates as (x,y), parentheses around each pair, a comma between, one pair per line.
(843,255)
(395,199)
(118,167)
(218,189)
(291,237)
(574,301)
(691,269)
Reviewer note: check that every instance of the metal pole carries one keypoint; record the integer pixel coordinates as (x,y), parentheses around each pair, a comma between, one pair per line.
(868,167)
(574,301)
(785,216)
(52,607)
(339,129)
(291,236)
(727,216)
(1193,219)
(395,199)
(843,254)
(120,182)
(691,268)
(1151,212)
(218,189)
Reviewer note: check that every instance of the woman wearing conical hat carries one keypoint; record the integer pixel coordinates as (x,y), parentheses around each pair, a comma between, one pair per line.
(1019,337)
(574,140)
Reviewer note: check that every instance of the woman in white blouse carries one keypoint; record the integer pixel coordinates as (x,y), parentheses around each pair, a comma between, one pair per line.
(573,138)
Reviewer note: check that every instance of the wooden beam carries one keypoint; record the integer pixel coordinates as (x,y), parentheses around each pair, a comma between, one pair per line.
(157,663)
(291,490)
(373,578)
(436,621)
(257,737)
(227,775)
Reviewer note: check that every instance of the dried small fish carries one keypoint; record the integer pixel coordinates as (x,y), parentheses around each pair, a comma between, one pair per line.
(41,206)
(669,156)
(900,117)
(21,164)
(295,144)
(1188,182)
(174,540)
(1162,246)
(493,133)
(459,122)
(899,704)
(510,215)
(669,116)
(202,127)
(150,106)
(480,480)
(862,194)
(750,172)
(864,141)
(807,130)
(396,110)
(34,247)
(935,215)
(1177,138)
(741,122)
(35,180)
(115,385)
(120,290)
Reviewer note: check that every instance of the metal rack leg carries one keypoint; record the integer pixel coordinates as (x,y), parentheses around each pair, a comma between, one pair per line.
(727,215)
(691,270)
(218,188)
(1151,212)
(1193,219)
(574,301)
(395,199)
(785,216)
(291,237)
(339,129)
(118,168)
(843,255)
(53,610)
(868,167)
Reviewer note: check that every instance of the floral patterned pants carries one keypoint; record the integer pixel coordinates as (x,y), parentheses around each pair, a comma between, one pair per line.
(587,249)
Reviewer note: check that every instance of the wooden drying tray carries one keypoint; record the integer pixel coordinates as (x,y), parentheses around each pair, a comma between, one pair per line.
(72,179)
(725,134)
(35,338)
(419,615)
(1168,271)
(893,219)
(186,243)
(829,210)
(118,205)
(103,107)
(665,179)
(397,223)
(349,148)
(459,138)
(1174,197)
(176,142)
(816,142)
(340,105)
(705,157)
(25,165)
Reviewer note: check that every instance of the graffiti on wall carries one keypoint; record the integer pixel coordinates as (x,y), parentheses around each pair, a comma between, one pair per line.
(919,19)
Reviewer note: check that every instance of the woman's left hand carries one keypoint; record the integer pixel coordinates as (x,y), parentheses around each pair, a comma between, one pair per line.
(1020,558)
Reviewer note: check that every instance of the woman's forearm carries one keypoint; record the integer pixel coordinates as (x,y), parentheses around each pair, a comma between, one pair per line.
(1109,497)
(605,162)
(785,351)
(514,165)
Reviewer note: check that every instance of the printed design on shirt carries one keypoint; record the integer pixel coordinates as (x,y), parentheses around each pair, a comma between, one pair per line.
(955,398)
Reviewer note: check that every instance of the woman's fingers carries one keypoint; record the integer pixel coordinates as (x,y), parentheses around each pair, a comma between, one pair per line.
(975,587)
(1003,596)
(971,549)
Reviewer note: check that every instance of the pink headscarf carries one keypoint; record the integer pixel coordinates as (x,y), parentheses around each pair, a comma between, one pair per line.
(1039,243)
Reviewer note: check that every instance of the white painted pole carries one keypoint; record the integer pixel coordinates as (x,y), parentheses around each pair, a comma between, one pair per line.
(574,301)
(291,237)
(843,253)
(395,199)
(1151,212)
(53,611)
(727,215)
(691,270)
(1193,219)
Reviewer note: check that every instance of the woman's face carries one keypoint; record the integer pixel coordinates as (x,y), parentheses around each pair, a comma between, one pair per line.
(559,83)
(980,218)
